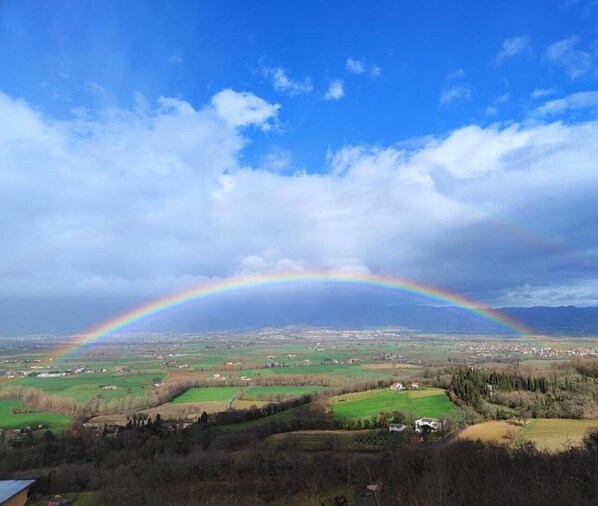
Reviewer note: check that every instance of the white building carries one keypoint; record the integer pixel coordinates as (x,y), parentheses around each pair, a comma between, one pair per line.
(396,427)
(397,387)
(427,425)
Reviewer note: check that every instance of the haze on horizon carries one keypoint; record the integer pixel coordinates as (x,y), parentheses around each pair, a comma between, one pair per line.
(148,147)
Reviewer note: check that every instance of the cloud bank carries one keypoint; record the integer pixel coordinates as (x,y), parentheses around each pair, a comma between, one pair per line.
(155,199)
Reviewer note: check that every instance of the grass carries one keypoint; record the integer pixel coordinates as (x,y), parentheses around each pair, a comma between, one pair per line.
(431,402)
(269,392)
(322,440)
(76,499)
(553,434)
(344,370)
(86,386)
(8,420)
(301,411)
(495,432)
(539,363)
(207,394)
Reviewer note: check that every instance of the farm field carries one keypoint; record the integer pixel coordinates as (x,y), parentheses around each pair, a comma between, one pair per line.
(431,402)
(355,372)
(300,411)
(84,387)
(207,394)
(500,432)
(541,364)
(8,420)
(261,393)
(322,440)
(555,434)
(548,434)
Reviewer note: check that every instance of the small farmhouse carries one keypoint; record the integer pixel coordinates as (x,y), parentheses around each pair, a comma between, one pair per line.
(397,387)
(396,427)
(423,425)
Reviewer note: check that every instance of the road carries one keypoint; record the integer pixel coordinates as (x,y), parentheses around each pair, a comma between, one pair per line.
(230,403)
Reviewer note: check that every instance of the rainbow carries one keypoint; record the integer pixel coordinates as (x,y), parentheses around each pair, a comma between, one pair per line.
(245,282)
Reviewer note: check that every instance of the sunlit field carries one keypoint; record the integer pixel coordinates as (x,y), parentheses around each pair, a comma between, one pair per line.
(430,402)
(16,415)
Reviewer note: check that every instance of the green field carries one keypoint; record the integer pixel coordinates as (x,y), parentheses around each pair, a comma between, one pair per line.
(270,392)
(8,420)
(207,394)
(300,411)
(342,370)
(431,402)
(86,386)
(554,434)
(541,364)
(325,440)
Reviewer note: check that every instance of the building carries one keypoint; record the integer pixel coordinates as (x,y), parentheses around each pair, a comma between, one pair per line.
(423,425)
(397,387)
(14,492)
(396,427)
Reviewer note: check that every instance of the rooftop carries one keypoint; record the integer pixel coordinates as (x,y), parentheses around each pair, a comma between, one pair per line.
(10,488)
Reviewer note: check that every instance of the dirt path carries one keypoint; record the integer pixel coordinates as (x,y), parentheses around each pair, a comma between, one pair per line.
(230,403)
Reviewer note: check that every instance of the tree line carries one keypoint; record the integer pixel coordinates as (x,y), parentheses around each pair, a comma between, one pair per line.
(201,465)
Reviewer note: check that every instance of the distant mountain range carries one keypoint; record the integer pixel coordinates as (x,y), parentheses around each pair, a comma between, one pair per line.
(68,316)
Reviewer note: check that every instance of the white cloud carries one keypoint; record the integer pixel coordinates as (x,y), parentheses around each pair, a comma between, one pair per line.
(243,109)
(175,59)
(512,47)
(359,66)
(96,89)
(457,92)
(277,160)
(336,90)
(493,110)
(575,101)
(355,66)
(472,150)
(282,82)
(565,54)
(542,92)
(151,200)
(501,99)
(456,74)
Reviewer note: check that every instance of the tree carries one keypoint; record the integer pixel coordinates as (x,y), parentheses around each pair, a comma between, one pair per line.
(590,440)
(524,414)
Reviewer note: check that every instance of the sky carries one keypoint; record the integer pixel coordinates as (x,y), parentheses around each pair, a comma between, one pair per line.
(146,147)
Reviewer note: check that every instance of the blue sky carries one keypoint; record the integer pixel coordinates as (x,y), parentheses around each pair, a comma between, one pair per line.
(96,54)
(147,146)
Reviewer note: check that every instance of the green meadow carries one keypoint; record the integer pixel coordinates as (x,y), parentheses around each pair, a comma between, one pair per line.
(431,402)
(268,392)
(10,420)
(86,386)
(345,370)
(278,417)
(207,394)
